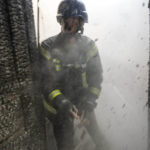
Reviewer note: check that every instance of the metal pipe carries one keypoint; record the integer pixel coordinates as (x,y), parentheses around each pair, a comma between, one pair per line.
(38,23)
(149,85)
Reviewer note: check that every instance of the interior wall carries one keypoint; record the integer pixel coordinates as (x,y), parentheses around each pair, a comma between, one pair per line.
(121,27)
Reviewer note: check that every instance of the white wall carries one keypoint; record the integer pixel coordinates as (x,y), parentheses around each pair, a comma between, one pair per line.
(122,29)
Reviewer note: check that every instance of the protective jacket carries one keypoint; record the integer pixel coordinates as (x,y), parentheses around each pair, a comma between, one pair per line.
(71,71)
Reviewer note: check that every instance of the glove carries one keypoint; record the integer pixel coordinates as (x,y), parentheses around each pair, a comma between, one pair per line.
(64,105)
(89,105)
(67,109)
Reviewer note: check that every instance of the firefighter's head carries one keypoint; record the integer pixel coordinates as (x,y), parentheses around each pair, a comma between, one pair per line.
(72,15)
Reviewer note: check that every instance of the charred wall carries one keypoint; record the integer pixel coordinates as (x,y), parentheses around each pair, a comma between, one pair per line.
(20,128)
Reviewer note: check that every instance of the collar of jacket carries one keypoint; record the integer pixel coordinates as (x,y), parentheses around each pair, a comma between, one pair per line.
(67,36)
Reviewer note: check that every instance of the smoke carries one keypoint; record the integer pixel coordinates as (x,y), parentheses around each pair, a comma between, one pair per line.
(122,30)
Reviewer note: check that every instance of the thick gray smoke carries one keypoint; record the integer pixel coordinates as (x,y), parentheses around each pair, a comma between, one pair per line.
(121,28)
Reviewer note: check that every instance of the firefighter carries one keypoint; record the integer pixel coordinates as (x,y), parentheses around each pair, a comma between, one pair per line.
(71,75)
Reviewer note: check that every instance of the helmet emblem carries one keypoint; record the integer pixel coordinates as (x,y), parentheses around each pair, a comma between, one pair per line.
(75,11)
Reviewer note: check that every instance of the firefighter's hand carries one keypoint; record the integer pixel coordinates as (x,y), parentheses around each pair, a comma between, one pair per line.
(90,105)
(74,112)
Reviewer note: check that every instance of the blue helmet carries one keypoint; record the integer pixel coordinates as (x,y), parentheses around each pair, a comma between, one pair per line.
(71,8)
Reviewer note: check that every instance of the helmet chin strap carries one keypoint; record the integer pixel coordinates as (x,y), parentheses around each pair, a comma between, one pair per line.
(81,29)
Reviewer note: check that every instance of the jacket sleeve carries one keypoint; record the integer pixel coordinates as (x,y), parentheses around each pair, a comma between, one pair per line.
(92,77)
(94,72)
(49,86)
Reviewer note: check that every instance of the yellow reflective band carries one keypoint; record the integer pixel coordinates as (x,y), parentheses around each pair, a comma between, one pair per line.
(84,80)
(58,67)
(92,53)
(57,64)
(54,94)
(45,53)
(49,108)
(56,60)
(95,91)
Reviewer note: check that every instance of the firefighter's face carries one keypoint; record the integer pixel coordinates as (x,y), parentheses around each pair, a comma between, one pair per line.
(70,25)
